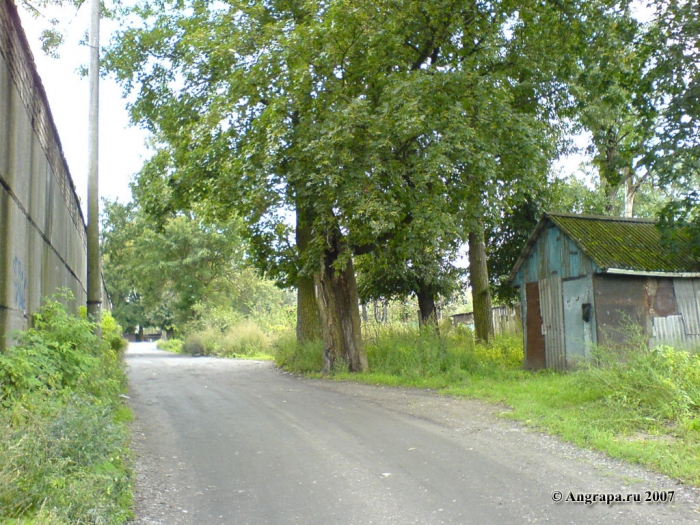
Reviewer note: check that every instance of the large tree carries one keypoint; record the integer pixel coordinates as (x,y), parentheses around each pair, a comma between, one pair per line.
(675,74)
(158,275)
(361,118)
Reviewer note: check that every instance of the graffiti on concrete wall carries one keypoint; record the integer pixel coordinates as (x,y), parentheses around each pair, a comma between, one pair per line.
(19,281)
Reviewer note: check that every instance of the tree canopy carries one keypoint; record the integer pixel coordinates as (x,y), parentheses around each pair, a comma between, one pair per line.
(393,129)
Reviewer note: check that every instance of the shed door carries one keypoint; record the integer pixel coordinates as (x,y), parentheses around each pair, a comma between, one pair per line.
(579,333)
(553,322)
(534,352)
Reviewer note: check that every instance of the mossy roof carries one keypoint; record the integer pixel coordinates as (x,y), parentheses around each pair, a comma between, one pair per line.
(617,242)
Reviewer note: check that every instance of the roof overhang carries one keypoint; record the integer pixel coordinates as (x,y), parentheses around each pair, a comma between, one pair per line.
(675,275)
(531,240)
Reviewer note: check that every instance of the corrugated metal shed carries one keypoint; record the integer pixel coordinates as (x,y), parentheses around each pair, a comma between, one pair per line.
(553,323)
(583,279)
(687,293)
(616,243)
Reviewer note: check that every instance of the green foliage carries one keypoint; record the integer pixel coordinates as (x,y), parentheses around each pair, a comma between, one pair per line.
(182,273)
(661,384)
(171,345)
(112,333)
(60,352)
(245,339)
(416,356)
(63,442)
(65,463)
(305,359)
(413,122)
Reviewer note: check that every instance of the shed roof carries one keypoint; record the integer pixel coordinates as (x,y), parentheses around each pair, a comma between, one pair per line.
(617,245)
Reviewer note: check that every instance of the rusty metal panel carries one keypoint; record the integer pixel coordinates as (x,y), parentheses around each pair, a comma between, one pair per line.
(553,322)
(662,298)
(523,316)
(619,302)
(535,356)
(687,299)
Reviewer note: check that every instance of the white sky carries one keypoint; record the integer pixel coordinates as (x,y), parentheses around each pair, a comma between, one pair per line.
(122,148)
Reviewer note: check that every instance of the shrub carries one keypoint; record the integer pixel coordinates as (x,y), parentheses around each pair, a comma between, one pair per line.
(111,333)
(63,444)
(171,345)
(659,384)
(404,351)
(244,339)
(302,359)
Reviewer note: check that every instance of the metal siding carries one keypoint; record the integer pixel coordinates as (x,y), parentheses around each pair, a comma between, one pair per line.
(565,248)
(619,301)
(542,253)
(585,264)
(523,305)
(671,331)
(553,263)
(578,333)
(662,297)
(575,264)
(535,347)
(553,322)
(532,266)
(687,299)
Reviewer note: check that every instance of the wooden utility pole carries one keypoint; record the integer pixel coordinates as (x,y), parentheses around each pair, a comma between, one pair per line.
(94,273)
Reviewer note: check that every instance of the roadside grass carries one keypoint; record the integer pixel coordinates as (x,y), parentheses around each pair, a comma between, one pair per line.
(63,424)
(243,340)
(633,403)
(170,345)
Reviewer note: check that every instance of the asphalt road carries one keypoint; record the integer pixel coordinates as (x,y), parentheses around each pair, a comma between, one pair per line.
(242,443)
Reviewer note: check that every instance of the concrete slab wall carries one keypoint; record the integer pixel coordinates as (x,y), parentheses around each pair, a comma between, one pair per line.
(42,229)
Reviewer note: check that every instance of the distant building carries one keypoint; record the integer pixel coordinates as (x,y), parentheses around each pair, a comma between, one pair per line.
(583,278)
(506,319)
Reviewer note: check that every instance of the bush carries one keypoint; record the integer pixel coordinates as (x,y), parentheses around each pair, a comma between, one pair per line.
(658,384)
(171,345)
(302,359)
(63,443)
(111,333)
(245,339)
(404,351)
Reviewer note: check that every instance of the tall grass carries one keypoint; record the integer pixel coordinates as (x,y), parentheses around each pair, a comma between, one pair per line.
(245,339)
(413,355)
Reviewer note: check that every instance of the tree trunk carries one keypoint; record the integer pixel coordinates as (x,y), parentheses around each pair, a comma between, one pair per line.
(426,304)
(611,199)
(630,194)
(338,302)
(308,317)
(365,317)
(479,277)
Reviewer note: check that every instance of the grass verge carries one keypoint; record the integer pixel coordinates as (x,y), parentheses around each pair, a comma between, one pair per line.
(633,403)
(63,425)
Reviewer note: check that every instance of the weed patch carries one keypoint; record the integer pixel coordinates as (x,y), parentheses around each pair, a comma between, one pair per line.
(245,339)
(63,439)
(171,345)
